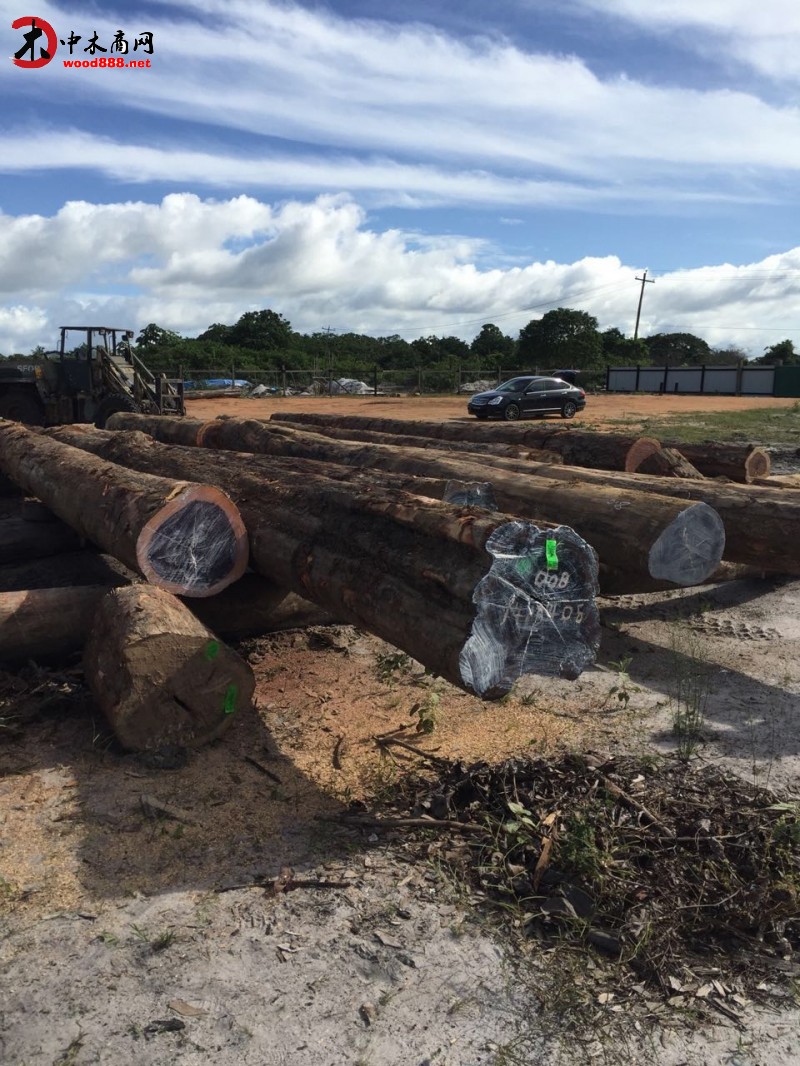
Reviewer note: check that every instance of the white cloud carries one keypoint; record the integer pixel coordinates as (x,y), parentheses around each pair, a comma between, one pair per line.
(764,36)
(187,262)
(388,107)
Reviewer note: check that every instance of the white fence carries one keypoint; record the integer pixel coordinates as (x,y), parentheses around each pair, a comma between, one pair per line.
(719,380)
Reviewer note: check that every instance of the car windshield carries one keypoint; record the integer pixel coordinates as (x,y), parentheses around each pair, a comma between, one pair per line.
(514,385)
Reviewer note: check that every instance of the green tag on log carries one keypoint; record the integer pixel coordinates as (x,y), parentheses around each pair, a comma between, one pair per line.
(551,554)
(229,703)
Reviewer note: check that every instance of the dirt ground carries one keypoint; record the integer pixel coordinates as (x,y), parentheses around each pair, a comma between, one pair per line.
(601,408)
(126,937)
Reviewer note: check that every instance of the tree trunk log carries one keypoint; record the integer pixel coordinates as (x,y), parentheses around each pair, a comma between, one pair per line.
(779,481)
(739,462)
(47,624)
(668,462)
(158,674)
(579,447)
(470,596)
(192,431)
(185,538)
(661,540)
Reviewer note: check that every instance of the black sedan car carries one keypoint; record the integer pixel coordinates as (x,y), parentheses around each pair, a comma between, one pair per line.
(528,397)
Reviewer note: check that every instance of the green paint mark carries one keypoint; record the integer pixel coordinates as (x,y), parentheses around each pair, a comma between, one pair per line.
(229,703)
(212,650)
(524,566)
(551,554)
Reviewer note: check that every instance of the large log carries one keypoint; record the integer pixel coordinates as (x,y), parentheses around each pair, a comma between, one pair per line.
(760,525)
(158,674)
(192,431)
(739,462)
(48,623)
(661,540)
(186,538)
(474,597)
(579,447)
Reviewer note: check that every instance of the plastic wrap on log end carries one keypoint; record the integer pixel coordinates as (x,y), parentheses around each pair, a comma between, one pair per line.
(690,548)
(471,494)
(536,610)
(641,449)
(196,545)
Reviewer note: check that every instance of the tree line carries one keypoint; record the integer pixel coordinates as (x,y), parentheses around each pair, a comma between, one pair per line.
(562,338)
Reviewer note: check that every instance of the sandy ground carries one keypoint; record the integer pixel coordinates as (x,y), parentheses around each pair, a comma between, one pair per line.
(125,938)
(601,408)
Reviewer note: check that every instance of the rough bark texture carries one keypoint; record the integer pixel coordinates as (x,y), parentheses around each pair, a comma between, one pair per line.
(158,674)
(669,462)
(779,481)
(400,440)
(603,451)
(619,583)
(739,462)
(185,538)
(760,525)
(470,596)
(47,623)
(658,539)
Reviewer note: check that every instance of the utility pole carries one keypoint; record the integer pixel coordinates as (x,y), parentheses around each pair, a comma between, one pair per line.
(645,281)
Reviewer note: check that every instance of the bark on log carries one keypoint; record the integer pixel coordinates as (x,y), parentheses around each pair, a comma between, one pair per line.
(21,540)
(185,538)
(398,440)
(778,481)
(760,526)
(48,623)
(159,675)
(669,462)
(470,596)
(601,451)
(739,462)
(660,540)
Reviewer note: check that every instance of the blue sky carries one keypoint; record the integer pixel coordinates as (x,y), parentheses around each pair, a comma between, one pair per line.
(408,169)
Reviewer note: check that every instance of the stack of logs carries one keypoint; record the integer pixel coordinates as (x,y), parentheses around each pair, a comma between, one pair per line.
(366,521)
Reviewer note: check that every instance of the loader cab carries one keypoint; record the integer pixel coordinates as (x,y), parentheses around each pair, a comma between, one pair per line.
(81,351)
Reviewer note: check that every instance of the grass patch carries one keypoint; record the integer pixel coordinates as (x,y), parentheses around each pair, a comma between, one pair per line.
(759,425)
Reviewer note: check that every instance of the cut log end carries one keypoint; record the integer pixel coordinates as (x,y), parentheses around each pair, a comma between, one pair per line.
(757,464)
(536,609)
(690,548)
(641,449)
(196,545)
(159,675)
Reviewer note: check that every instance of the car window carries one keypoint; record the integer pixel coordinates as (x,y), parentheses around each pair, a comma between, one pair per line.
(514,385)
(557,383)
(537,386)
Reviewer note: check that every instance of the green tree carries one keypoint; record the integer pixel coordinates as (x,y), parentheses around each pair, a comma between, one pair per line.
(782,353)
(491,341)
(677,349)
(619,350)
(561,338)
(727,356)
(153,336)
(261,329)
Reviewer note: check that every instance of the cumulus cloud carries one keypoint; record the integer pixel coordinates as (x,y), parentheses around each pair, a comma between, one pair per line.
(187,262)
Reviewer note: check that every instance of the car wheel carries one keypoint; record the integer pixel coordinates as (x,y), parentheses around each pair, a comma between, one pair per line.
(568,410)
(512,412)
